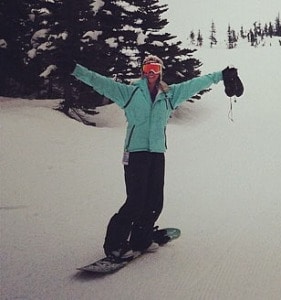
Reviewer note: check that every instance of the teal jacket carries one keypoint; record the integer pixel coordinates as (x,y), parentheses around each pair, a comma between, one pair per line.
(147,120)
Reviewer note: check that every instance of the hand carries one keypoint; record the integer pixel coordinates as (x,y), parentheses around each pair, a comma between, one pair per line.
(65,63)
(233,84)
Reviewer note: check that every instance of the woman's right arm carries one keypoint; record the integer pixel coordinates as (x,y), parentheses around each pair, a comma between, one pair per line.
(115,91)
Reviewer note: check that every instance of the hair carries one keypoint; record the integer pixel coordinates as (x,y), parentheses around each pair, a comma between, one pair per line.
(155,59)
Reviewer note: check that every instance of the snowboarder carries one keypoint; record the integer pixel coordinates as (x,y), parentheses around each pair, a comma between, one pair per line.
(148,104)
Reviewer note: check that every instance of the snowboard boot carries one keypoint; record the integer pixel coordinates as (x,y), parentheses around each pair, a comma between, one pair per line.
(152,248)
(160,236)
(125,253)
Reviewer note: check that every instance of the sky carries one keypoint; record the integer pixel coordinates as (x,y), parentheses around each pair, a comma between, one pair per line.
(187,15)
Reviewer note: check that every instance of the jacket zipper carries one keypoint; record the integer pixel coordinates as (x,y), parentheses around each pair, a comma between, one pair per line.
(167,100)
(131,97)
(165,135)
(130,137)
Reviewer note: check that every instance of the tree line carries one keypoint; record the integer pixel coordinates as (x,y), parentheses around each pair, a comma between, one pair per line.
(110,37)
(255,35)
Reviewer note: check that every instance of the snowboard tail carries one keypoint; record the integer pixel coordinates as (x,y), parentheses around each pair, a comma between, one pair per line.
(108,265)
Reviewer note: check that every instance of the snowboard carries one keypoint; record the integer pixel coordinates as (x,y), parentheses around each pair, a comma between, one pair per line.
(109,265)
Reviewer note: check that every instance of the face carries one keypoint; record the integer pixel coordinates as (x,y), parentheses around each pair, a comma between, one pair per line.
(151,77)
(152,72)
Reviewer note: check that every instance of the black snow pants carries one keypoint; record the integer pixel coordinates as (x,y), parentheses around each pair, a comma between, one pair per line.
(134,222)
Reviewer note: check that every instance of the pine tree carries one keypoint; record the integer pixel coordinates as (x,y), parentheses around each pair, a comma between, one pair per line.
(9,58)
(40,44)
(277,26)
(270,30)
(178,61)
(72,19)
(252,38)
(242,33)
(231,38)
(265,29)
(110,37)
(192,38)
(150,24)
(199,39)
(213,40)
(16,33)
(115,43)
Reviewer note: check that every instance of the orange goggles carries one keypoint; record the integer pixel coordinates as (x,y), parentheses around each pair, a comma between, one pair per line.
(152,67)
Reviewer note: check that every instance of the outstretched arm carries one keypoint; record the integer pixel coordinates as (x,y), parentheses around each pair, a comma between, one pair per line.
(115,91)
(185,90)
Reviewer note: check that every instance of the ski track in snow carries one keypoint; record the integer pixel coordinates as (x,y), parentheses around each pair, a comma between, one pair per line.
(61,181)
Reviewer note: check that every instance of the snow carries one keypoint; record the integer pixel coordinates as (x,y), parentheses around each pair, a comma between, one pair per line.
(112,42)
(97,5)
(41,11)
(223,13)
(127,6)
(92,35)
(141,38)
(157,43)
(61,181)
(31,53)
(48,71)
(3,44)
(39,34)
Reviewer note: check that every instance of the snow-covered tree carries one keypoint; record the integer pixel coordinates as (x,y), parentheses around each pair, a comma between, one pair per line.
(199,39)
(111,37)
(213,40)
(192,37)
(278,26)
(15,32)
(73,33)
(270,30)
(231,38)
(242,33)
(178,61)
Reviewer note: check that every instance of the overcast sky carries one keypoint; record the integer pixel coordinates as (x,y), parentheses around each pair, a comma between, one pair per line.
(187,15)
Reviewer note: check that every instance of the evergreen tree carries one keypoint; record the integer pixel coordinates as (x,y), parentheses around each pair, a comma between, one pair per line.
(8,53)
(112,49)
(111,37)
(231,38)
(277,26)
(242,33)
(40,45)
(15,31)
(257,29)
(178,61)
(270,30)
(265,29)
(199,39)
(72,20)
(192,38)
(150,24)
(213,40)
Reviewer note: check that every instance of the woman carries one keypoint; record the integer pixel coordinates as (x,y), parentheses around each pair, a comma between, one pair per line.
(148,104)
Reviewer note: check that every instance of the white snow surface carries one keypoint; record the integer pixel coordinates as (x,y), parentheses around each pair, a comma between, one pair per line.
(61,181)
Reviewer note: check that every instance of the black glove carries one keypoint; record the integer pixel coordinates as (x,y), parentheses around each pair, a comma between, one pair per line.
(65,63)
(233,84)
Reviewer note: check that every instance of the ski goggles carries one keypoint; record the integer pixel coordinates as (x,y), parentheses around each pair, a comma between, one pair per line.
(152,67)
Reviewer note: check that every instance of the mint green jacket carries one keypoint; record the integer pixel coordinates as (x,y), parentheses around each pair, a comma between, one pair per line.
(147,120)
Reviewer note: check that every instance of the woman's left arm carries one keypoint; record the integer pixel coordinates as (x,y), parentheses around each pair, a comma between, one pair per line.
(185,90)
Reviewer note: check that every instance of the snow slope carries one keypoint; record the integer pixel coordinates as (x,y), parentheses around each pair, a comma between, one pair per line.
(61,181)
